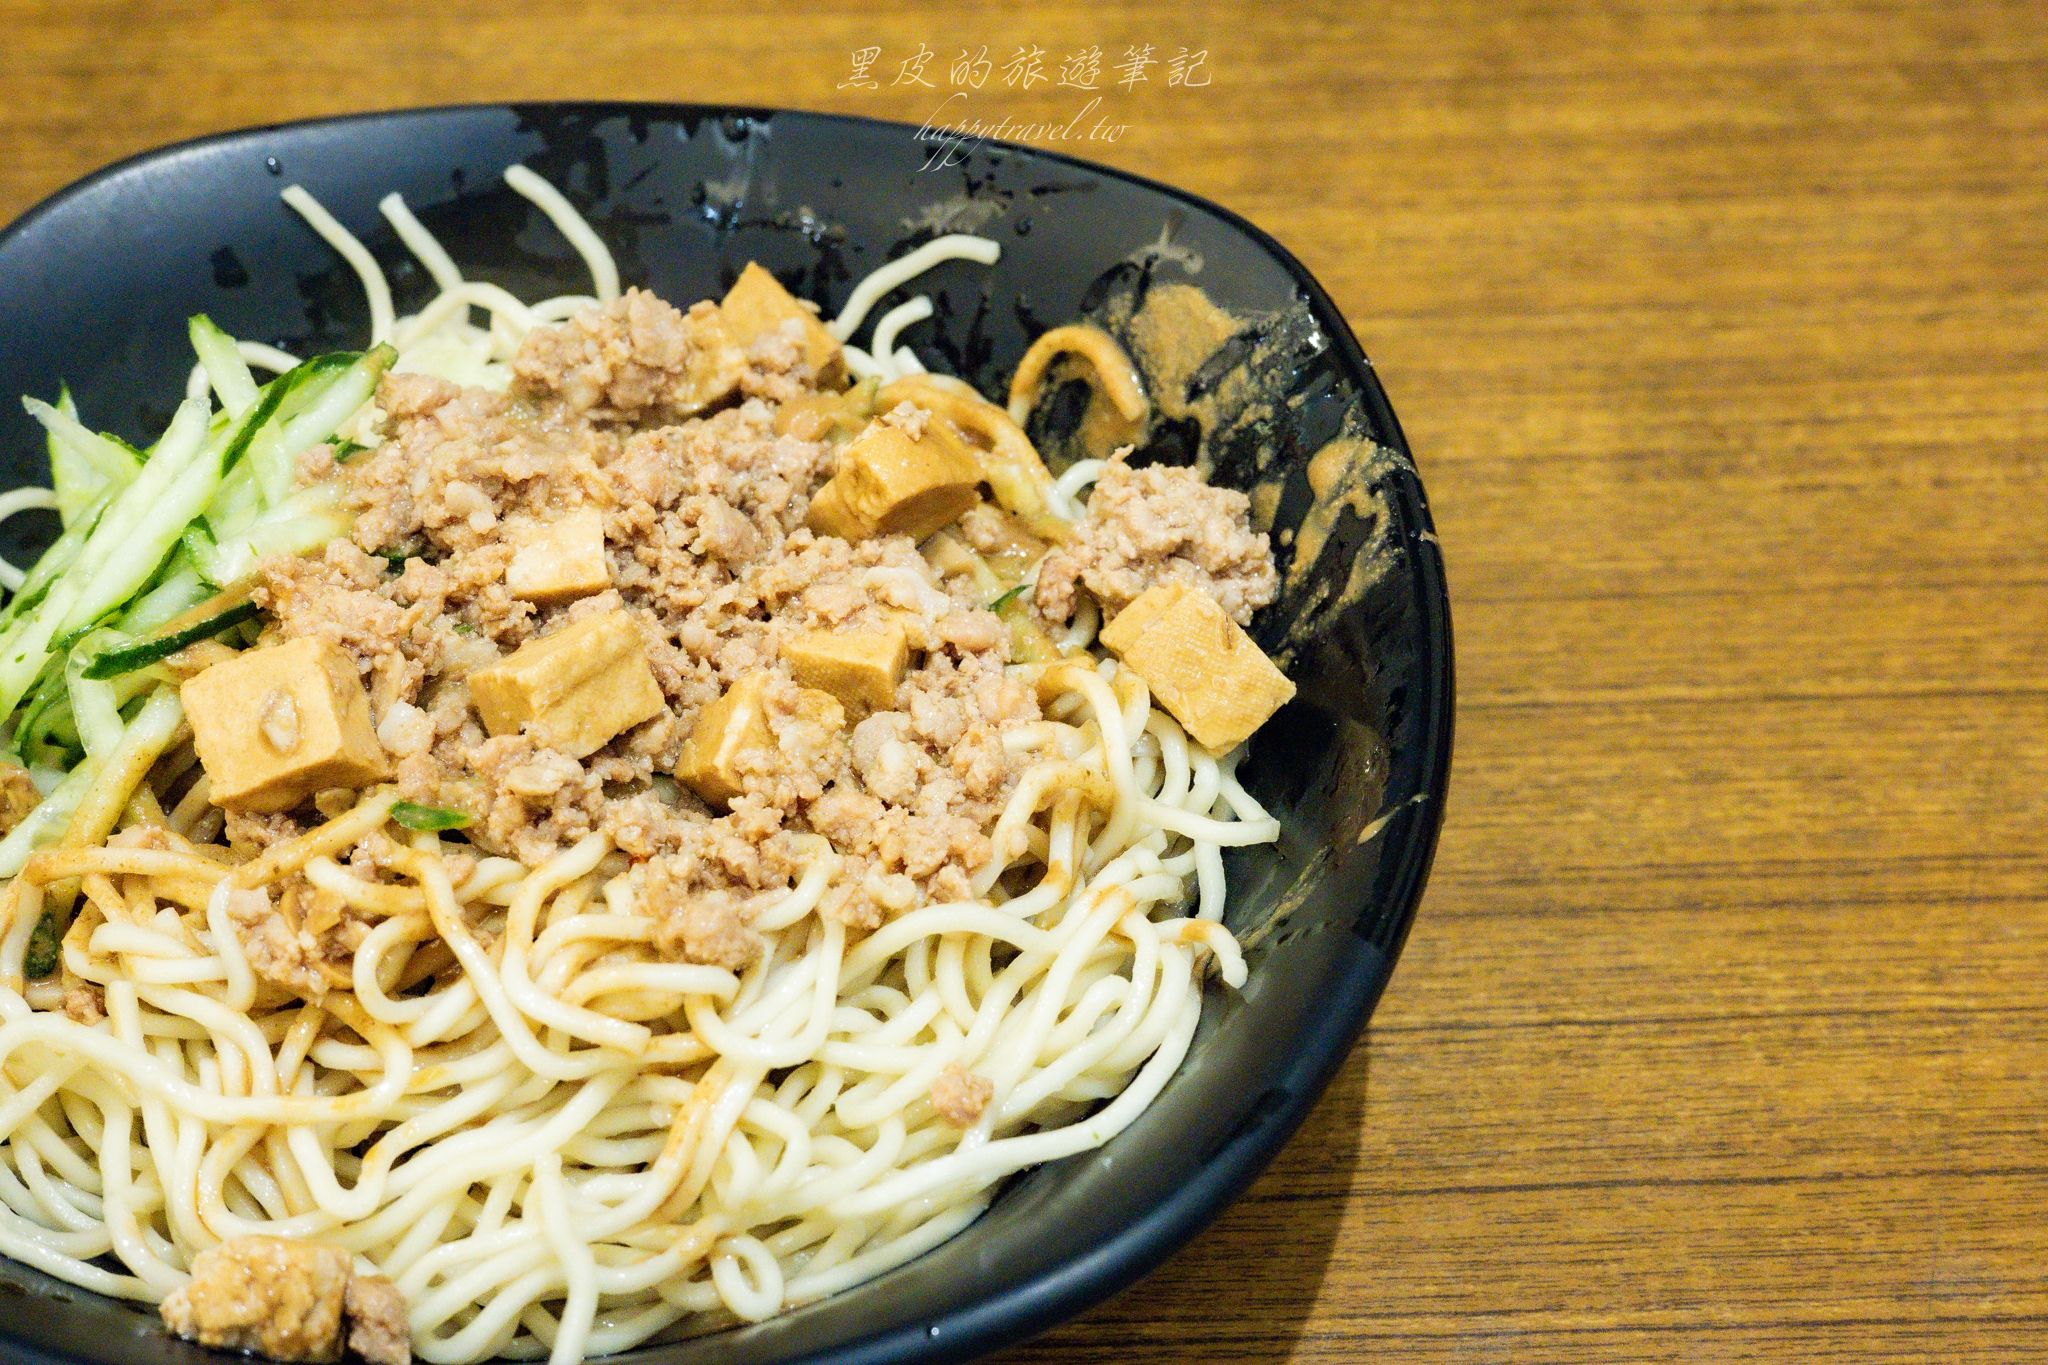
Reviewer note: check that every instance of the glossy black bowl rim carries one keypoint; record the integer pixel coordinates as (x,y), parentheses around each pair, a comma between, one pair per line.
(1410,835)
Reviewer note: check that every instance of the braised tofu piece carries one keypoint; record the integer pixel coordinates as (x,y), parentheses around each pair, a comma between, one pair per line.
(859,667)
(736,723)
(572,690)
(278,1298)
(1199,663)
(835,418)
(757,305)
(712,372)
(891,483)
(727,728)
(561,559)
(274,725)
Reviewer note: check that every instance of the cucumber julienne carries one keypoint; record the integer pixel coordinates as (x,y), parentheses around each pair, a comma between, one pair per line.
(141,654)
(83,463)
(155,554)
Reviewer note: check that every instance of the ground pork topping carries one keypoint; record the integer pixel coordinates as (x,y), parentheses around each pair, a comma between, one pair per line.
(1155,525)
(272,944)
(301,945)
(675,468)
(83,1001)
(710,928)
(18,795)
(622,359)
(291,1301)
(377,1330)
(707,555)
(960,1096)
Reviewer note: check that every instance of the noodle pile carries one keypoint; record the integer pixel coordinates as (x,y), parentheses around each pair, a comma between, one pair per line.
(555,1142)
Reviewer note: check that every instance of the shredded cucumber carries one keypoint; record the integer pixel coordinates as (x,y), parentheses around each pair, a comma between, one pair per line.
(55,561)
(237,504)
(149,542)
(143,524)
(304,521)
(93,706)
(129,656)
(83,463)
(265,411)
(150,732)
(148,520)
(225,369)
(179,590)
(331,395)
(46,729)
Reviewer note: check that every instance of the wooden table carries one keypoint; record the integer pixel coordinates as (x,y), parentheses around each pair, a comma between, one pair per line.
(1720,333)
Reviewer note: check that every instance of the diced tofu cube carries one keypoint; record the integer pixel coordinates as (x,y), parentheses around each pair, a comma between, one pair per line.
(888,484)
(727,728)
(561,559)
(833,417)
(736,723)
(757,304)
(716,362)
(1199,663)
(572,690)
(274,725)
(860,667)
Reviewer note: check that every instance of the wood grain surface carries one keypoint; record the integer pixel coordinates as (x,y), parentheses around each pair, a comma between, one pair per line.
(1719,331)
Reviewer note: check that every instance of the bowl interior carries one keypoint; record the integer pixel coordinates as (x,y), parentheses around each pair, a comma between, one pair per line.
(95,287)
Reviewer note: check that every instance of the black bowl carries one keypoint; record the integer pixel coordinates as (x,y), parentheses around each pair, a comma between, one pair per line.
(95,287)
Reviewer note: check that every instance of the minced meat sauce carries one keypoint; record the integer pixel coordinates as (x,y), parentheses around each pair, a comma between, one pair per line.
(706,549)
